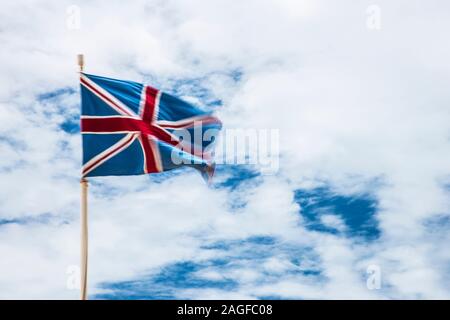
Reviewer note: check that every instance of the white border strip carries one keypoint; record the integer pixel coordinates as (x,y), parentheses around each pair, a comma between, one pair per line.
(142,101)
(168,123)
(108,132)
(156,155)
(141,142)
(109,117)
(156,107)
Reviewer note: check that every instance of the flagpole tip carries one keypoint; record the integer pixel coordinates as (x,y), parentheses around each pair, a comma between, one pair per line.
(80,59)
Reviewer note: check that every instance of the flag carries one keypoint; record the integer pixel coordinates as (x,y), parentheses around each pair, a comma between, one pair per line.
(129,129)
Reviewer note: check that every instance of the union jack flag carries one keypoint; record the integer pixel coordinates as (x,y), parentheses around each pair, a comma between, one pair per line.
(129,128)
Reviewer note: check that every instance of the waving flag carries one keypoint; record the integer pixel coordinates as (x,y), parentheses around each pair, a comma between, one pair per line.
(129,128)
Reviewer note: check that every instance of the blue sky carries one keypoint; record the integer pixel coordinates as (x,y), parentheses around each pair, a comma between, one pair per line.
(364,168)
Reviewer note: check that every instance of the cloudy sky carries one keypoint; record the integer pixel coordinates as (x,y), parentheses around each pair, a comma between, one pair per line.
(357,89)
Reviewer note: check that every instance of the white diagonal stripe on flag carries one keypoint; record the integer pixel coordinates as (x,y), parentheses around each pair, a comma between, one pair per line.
(116,148)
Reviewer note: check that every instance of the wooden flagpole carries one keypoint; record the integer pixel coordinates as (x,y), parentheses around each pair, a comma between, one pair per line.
(83,221)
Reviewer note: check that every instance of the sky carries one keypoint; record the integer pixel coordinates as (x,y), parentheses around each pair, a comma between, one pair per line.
(358,207)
